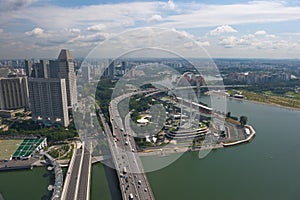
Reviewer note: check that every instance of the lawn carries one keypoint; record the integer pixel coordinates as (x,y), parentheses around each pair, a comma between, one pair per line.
(8,147)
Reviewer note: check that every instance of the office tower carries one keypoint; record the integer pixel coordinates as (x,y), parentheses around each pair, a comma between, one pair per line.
(37,70)
(86,73)
(124,67)
(64,68)
(28,68)
(48,100)
(109,72)
(13,93)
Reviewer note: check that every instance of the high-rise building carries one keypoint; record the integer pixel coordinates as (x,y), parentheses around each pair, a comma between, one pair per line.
(13,93)
(64,67)
(109,72)
(48,100)
(37,70)
(86,73)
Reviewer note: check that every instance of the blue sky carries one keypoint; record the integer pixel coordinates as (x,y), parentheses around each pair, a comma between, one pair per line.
(228,28)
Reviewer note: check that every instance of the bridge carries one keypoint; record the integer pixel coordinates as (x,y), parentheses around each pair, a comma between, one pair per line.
(132,179)
(209,87)
(77,181)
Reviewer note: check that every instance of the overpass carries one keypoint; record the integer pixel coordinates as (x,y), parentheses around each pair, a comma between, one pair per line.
(77,181)
(132,179)
(209,87)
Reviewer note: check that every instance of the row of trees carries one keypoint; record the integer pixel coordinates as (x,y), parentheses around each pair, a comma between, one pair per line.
(243,119)
(29,128)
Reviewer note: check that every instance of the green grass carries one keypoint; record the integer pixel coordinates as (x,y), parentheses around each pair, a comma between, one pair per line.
(8,147)
(273,99)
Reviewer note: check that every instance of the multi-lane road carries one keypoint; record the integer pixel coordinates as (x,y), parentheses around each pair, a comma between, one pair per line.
(71,189)
(133,181)
(83,189)
(78,184)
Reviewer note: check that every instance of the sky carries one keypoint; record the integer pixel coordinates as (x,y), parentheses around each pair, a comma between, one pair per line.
(225,29)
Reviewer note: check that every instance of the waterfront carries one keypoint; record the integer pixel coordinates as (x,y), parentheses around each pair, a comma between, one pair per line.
(25,184)
(266,168)
(99,185)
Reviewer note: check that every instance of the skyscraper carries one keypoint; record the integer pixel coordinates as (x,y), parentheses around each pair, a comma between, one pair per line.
(37,70)
(109,72)
(48,100)
(64,67)
(13,93)
(86,73)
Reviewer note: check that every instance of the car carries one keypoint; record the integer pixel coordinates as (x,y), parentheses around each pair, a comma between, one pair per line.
(132,150)
(145,190)
(130,196)
(139,182)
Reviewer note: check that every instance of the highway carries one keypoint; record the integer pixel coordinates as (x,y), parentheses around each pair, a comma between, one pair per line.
(133,181)
(71,189)
(77,187)
(84,176)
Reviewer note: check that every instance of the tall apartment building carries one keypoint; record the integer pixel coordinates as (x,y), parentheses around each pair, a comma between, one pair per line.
(13,93)
(48,100)
(64,67)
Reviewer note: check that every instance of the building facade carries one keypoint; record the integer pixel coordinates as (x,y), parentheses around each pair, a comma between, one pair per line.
(64,68)
(37,70)
(86,73)
(48,100)
(13,93)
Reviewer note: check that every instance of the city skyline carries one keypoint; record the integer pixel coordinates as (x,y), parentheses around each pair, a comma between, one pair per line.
(226,29)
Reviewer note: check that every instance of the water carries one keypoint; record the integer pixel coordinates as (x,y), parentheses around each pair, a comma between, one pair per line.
(99,185)
(25,184)
(266,168)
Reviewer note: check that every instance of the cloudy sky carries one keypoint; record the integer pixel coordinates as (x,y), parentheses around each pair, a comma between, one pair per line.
(226,29)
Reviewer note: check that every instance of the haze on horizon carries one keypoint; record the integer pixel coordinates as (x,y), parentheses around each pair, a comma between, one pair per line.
(226,29)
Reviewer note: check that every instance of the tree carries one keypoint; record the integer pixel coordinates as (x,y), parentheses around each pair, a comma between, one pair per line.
(243,120)
(228,114)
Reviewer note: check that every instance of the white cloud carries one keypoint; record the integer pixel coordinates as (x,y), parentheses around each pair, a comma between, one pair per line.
(271,36)
(171,4)
(9,5)
(260,32)
(291,33)
(155,18)
(186,34)
(223,29)
(74,30)
(251,42)
(203,15)
(87,25)
(113,16)
(228,42)
(97,27)
(204,43)
(36,32)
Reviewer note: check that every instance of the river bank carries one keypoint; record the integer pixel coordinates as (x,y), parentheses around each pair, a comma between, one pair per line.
(222,94)
(181,149)
(267,166)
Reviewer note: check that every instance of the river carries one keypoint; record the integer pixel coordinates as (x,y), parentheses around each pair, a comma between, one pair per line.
(267,168)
